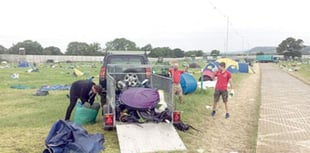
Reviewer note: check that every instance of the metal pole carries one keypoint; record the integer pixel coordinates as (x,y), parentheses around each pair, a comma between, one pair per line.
(227,34)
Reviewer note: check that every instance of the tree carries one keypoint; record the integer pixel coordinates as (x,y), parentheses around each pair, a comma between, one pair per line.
(82,48)
(290,47)
(147,47)
(177,53)
(215,52)
(196,53)
(94,49)
(3,50)
(52,51)
(260,53)
(160,52)
(121,44)
(199,53)
(77,48)
(31,47)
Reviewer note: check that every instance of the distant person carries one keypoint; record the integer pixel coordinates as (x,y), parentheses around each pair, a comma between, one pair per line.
(176,77)
(223,78)
(85,90)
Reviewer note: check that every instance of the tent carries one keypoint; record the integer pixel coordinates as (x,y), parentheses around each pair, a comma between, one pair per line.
(232,69)
(188,83)
(194,65)
(231,65)
(208,75)
(245,68)
(211,66)
(23,64)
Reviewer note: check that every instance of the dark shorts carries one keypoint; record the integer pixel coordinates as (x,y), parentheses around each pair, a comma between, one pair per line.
(219,93)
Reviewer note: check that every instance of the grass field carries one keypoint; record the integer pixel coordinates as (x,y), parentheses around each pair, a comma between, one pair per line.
(25,119)
(303,71)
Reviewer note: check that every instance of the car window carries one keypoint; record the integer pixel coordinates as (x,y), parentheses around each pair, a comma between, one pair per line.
(126,60)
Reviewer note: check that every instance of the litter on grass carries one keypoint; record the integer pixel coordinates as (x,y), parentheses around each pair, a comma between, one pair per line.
(15,76)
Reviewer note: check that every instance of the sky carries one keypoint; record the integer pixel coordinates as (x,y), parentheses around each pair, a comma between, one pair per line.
(185,24)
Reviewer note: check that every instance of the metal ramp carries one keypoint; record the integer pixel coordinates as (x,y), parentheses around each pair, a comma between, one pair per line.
(148,137)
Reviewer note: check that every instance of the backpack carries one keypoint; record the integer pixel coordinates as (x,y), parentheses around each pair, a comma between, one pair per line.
(184,127)
(181,126)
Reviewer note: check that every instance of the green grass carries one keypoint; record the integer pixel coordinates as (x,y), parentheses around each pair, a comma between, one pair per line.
(25,120)
(303,72)
(253,139)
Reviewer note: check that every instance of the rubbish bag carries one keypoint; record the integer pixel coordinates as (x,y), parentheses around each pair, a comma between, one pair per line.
(85,115)
(67,137)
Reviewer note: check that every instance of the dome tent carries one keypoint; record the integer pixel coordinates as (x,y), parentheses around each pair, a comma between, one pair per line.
(194,65)
(23,64)
(207,75)
(245,68)
(211,66)
(231,65)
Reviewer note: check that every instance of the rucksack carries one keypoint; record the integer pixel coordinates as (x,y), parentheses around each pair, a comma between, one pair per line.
(181,126)
(184,127)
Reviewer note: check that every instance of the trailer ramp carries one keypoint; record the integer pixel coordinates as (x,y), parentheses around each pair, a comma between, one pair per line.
(148,138)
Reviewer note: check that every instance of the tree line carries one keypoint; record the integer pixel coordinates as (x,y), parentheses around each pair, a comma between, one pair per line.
(94,49)
(289,48)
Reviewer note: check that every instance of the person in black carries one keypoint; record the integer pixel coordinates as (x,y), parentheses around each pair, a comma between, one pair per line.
(85,90)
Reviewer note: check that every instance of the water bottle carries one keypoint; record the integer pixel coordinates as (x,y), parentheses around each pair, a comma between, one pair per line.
(231,93)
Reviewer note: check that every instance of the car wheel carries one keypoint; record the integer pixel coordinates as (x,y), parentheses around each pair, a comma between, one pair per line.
(131,78)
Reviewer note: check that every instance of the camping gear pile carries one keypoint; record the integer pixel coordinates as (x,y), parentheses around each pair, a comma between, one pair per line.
(139,98)
(142,105)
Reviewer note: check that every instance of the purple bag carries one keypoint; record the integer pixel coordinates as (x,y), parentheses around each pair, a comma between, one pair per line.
(140,98)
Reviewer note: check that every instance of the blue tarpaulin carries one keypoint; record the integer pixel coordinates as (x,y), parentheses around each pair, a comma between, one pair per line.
(55,87)
(67,137)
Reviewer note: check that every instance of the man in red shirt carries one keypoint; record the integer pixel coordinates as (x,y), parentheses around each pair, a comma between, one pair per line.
(223,78)
(176,78)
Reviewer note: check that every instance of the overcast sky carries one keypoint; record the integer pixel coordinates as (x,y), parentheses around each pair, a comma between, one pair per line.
(186,24)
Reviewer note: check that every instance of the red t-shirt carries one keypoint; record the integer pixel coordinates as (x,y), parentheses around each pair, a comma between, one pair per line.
(176,75)
(222,80)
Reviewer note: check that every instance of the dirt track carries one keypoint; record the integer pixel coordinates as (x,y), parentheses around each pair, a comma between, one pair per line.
(236,133)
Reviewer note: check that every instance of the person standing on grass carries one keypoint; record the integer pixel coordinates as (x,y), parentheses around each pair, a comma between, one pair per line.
(223,78)
(85,90)
(176,78)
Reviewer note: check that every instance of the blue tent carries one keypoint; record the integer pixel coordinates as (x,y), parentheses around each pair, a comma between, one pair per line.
(243,68)
(23,64)
(211,66)
(232,69)
(188,83)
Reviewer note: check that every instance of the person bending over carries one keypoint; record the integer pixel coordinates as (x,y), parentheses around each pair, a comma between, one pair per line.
(85,90)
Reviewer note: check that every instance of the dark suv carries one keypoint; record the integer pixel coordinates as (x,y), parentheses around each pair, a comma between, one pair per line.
(122,59)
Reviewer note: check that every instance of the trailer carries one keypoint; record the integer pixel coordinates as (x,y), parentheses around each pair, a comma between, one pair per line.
(141,137)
